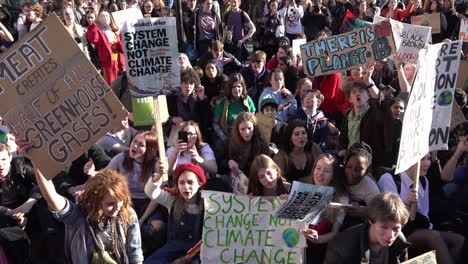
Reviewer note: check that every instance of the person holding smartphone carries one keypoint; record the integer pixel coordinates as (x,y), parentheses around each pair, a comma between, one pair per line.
(190,148)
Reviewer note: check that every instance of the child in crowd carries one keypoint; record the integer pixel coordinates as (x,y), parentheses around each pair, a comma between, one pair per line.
(265,178)
(378,241)
(325,173)
(185,207)
(269,108)
(283,97)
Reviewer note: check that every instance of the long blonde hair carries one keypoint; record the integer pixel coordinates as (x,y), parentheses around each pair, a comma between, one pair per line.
(106,182)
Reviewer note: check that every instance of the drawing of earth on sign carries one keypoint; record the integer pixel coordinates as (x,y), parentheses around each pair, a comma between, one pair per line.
(290,237)
(445,98)
(3,136)
(425,23)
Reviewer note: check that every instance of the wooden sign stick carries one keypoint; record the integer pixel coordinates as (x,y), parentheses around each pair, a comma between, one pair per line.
(415,187)
(159,133)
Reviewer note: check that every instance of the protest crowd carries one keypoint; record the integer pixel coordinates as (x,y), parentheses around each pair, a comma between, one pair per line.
(252,104)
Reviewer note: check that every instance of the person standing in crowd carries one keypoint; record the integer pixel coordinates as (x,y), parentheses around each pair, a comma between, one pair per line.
(188,20)
(378,241)
(292,14)
(75,29)
(102,226)
(392,11)
(208,27)
(265,178)
(33,17)
(213,81)
(226,62)
(147,9)
(234,22)
(436,7)
(105,37)
(316,18)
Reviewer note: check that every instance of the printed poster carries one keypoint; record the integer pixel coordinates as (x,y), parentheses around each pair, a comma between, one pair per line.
(238,229)
(239,183)
(306,202)
(51,95)
(151,56)
(426,125)
(121,16)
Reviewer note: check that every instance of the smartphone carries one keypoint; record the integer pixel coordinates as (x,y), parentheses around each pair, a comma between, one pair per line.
(183,136)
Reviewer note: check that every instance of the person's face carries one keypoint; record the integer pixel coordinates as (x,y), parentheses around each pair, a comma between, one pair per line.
(409,72)
(363,6)
(237,90)
(283,42)
(246,130)
(323,172)
(110,207)
(217,54)
(104,17)
(434,6)
(397,109)
(188,185)
(417,3)
(304,88)
(191,135)
(148,7)
(277,81)
(234,3)
(68,15)
(211,71)
(123,5)
(90,18)
(280,53)
(207,5)
(355,169)
(30,14)
(191,3)
(392,4)
(5,163)
(269,111)
(299,137)
(425,164)
(138,148)
(268,177)
(311,101)
(273,6)
(356,73)
(257,66)
(187,88)
(124,123)
(384,233)
(282,66)
(358,97)
(183,61)
(447,4)
(156,4)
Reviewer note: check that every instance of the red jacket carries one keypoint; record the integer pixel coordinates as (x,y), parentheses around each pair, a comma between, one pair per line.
(334,99)
(272,63)
(398,14)
(103,47)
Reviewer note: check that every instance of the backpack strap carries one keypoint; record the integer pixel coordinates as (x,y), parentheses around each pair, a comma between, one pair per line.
(397,180)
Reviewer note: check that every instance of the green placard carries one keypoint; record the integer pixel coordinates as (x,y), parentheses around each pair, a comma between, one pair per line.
(143,111)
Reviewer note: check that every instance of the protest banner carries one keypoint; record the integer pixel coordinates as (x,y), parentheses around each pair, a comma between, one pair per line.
(306,202)
(428,20)
(348,50)
(121,16)
(53,96)
(427,258)
(463,29)
(265,125)
(426,124)
(296,49)
(8,138)
(239,183)
(151,56)
(409,39)
(237,229)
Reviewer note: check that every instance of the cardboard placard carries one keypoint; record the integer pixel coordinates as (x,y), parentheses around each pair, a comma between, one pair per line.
(296,49)
(427,258)
(121,16)
(238,229)
(426,124)
(265,124)
(462,80)
(53,96)
(463,29)
(306,202)
(151,56)
(428,20)
(409,39)
(348,50)
(239,183)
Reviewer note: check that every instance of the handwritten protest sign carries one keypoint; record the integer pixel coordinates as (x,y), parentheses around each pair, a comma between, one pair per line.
(265,124)
(296,48)
(427,258)
(151,54)
(348,50)
(239,183)
(428,20)
(409,39)
(463,29)
(127,14)
(426,124)
(306,202)
(239,229)
(53,96)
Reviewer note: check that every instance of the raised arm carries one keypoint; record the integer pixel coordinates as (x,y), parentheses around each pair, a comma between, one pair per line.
(449,168)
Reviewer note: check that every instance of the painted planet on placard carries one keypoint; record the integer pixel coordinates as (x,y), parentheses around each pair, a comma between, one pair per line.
(445,98)
(290,237)
(3,136)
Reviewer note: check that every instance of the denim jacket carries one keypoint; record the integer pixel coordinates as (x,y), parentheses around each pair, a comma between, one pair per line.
(78,241)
